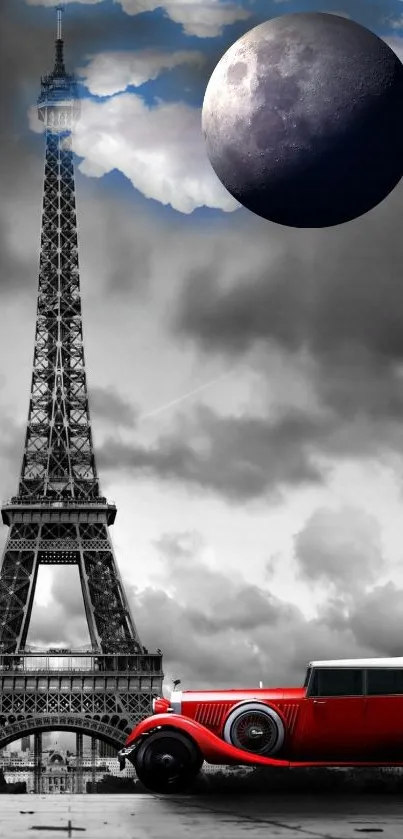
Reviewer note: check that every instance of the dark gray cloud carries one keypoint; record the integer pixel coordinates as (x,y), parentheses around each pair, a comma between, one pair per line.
(240,458)
(333,298)
(107,404)
(115,241)
(21,186)
(341,548)
(336,292)
(23,51)
(377,616)
(12,436)
(11,448)
(250,459)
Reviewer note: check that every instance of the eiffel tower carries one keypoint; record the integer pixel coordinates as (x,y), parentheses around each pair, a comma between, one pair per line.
(59,516)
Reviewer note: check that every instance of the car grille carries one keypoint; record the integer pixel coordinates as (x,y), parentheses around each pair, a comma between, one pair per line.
(212,715)
(290,714)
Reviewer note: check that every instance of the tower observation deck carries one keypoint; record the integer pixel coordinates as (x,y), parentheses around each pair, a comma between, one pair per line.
(59,516)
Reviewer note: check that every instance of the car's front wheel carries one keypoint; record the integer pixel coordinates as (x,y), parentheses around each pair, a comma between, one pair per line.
(167,761)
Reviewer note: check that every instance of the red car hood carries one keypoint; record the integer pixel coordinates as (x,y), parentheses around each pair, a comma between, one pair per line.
(237,695)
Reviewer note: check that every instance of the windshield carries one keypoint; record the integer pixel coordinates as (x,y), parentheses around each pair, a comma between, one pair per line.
(308,673)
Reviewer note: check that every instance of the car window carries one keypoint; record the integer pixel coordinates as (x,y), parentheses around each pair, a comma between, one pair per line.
(328,682)
(384,681)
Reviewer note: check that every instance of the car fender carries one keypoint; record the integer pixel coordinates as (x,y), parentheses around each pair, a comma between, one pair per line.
(212,748)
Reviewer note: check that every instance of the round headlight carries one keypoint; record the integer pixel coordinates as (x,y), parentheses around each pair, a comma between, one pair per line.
(161,705)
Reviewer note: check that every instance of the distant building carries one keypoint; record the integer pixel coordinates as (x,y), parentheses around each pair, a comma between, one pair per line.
(58,769)
(106,750)
(25,744)
(56,778)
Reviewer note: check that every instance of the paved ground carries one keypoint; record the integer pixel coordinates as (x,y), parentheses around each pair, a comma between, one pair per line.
(201,817)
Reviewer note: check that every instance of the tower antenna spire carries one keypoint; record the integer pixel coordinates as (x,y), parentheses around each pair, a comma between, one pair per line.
(59,69)
(60,10)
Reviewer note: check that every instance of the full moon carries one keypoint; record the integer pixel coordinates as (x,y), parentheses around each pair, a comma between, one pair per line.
(303,120)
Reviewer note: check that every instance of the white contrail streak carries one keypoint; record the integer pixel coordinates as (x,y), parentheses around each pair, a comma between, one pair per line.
(180,399)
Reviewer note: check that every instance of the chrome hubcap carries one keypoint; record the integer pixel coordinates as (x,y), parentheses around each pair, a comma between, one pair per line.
(256,732)
(167,760)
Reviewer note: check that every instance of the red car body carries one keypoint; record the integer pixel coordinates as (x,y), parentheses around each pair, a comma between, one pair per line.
(348,713)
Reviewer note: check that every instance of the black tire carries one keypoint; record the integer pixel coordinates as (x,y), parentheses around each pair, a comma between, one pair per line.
(167,762)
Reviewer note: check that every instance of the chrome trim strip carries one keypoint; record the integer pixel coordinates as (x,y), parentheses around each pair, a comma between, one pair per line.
(176,701)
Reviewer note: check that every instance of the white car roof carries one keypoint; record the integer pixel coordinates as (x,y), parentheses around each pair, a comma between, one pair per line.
(360,662)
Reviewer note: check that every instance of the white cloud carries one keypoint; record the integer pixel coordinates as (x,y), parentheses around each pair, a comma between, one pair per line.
(396,23)
(112,72)
(396,43)
(160,150)
(204,18)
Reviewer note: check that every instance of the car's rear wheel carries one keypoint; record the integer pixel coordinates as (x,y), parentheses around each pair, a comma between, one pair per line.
(167,761)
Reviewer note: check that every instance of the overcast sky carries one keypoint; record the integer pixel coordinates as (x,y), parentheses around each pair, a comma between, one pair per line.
(245,379)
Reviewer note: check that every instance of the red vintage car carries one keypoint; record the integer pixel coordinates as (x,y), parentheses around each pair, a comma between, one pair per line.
(348,713)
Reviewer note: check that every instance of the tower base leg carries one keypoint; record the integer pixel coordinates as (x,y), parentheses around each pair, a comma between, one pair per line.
(38,762)
(93,764)
(79,762)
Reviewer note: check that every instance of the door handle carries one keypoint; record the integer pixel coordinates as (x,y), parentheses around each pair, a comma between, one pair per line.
(319,701)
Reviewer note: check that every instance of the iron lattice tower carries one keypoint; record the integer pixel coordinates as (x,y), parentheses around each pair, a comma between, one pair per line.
(59,516)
